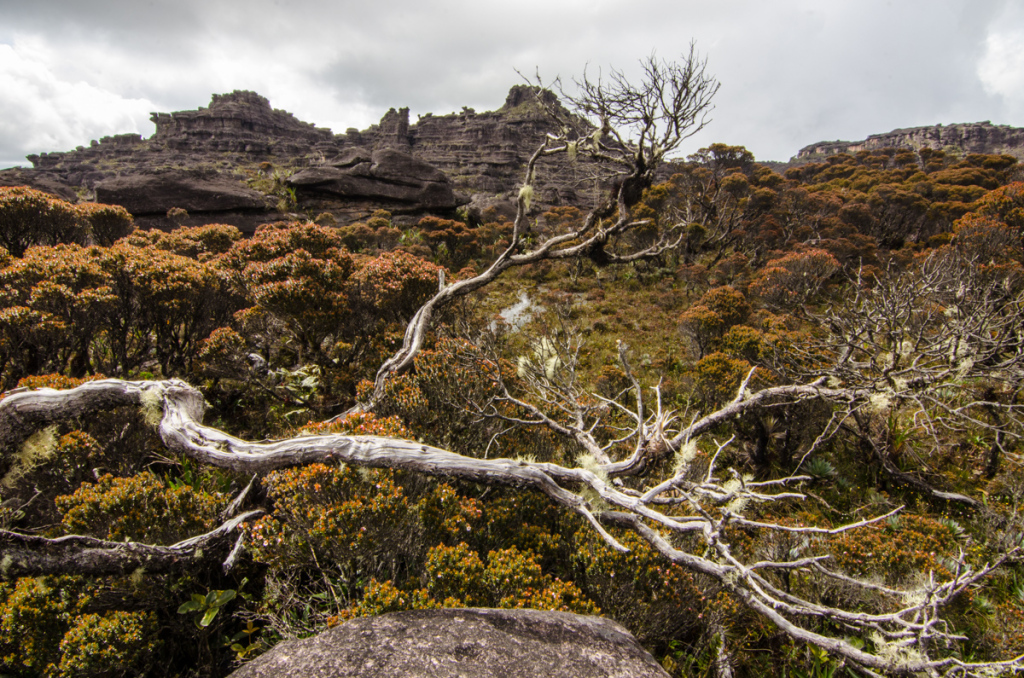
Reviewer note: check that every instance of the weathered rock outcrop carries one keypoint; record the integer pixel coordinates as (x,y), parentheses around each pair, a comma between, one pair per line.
(239,122)
(41,180)
(236,160)
(384,174)
(231,163)
(155,192)
(466,643)
(979,137)
(240,144)
(487,152)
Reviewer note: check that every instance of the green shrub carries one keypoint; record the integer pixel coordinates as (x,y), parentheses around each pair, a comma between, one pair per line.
(114,643)
(34,613)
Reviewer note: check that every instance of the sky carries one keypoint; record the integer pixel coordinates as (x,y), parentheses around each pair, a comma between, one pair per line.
(792,72)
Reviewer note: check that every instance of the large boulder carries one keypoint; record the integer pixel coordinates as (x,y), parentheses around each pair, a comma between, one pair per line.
(464,642)
(155,192)
(384,174)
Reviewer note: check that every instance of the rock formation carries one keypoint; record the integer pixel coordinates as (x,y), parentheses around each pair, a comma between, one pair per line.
(231,163)
(41,180)
(235,128)
(240,122)
(464,643)
(153,192)
(239,161)
(486,152)
(980,137)
(385,174)
(238,158)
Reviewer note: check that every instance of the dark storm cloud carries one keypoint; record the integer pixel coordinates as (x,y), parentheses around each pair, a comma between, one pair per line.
(792,72)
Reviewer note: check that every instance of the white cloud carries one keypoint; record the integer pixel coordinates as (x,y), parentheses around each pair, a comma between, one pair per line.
(792,71)
(39,111)
(1002,68)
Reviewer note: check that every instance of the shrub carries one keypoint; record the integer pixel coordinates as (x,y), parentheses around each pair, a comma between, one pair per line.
(396,284)
(717,376)
(33,614)
(30,217)
(794,278)
(142,508)
(743,342)
(114,643)
(455,576)
(654,599)
(900,550)
(361,519)
(199,242)
(105,223)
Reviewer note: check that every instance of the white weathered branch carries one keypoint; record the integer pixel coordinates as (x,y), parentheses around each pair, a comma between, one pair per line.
(30,555)
(182,431)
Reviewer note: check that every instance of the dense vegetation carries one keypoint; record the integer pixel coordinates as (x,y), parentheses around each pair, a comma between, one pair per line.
(894,278)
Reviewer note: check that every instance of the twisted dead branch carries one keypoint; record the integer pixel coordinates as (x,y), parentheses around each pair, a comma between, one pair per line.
(707,507)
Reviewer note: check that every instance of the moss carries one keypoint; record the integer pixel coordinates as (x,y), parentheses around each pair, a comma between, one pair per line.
(152,406)
(35,451)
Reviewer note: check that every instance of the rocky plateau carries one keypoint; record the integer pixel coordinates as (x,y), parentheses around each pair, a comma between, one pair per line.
(241,162)
(979,137)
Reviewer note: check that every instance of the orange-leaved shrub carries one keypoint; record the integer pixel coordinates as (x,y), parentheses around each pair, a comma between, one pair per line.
(143,508)
(30,217)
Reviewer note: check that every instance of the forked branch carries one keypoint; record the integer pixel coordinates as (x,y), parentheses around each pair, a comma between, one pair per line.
(708,508)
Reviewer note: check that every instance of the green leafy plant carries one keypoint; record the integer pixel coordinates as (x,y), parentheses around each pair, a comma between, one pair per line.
(206,607)
(819,468)
(242,643)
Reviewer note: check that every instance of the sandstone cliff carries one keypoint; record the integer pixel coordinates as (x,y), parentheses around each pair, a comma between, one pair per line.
(242,162)
(979,137)
(486,152)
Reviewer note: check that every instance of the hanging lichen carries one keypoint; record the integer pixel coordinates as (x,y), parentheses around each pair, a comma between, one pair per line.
(526,195)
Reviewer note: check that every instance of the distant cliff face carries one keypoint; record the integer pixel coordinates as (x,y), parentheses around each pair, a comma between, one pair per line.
(482,153)
(242,156)
(979,137)
(240,122)
(236,127)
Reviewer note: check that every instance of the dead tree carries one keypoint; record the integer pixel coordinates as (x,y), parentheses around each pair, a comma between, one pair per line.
(705,504)
(630,129)
(938,345)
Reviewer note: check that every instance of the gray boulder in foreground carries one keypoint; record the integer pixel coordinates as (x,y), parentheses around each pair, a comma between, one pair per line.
(462,642)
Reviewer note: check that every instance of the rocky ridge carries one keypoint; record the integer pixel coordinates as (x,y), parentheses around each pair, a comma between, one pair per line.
(979,137)
(240,161)
(486,152)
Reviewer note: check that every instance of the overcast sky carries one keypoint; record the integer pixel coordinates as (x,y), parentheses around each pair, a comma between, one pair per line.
(792,72)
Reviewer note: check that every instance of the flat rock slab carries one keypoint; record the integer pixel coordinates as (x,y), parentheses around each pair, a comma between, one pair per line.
(383,174)
(463,643)
(157,192)
(47,182)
